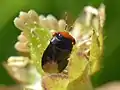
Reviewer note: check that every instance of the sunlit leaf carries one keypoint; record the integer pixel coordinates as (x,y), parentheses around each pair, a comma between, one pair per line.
(95,54)
(76,65)
(39,39)
(82,82)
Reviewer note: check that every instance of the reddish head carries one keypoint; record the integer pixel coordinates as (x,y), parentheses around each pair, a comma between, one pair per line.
(66,35)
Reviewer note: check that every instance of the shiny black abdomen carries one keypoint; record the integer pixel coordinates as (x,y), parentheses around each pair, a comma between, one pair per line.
(58,50)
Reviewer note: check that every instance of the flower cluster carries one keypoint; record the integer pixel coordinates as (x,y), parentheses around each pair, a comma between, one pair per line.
(36,33)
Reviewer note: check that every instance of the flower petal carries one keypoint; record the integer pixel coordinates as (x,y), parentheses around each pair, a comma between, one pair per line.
(19,23)
(52,21)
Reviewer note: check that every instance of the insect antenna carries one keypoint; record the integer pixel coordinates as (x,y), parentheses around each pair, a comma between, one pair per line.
(69,20)
(66,19)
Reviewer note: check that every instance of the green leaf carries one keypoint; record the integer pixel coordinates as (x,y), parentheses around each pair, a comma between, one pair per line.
(82,82)
(77,64)
(39,39)
(95,52)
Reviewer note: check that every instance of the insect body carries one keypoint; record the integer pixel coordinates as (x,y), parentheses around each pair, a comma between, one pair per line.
(58,50)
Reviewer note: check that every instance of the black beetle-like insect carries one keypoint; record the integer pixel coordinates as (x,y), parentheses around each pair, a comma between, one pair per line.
(58,50)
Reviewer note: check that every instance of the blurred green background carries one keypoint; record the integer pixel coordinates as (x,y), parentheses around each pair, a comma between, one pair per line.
(9,9)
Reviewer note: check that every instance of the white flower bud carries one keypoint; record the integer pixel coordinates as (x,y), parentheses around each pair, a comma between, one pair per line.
(62,24)
(43,21)
(102,14)
(24,16)
(18,61)
(22,37)
(22,47)
(89,9)
(52,22)
(19,23)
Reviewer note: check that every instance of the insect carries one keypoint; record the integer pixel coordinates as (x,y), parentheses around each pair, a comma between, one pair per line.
(58,50)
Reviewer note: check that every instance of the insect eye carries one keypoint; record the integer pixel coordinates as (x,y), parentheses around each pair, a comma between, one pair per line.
(60,36)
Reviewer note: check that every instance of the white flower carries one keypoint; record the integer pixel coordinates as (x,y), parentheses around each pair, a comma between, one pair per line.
(26,20)
(22,44)
(18,61)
